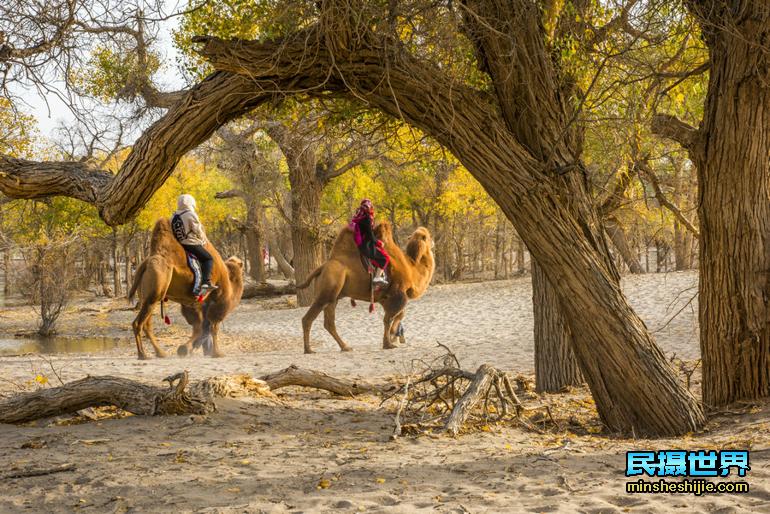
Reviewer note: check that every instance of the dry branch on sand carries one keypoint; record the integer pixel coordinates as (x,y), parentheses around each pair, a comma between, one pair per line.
(294,376)
(123,393)
(448,399)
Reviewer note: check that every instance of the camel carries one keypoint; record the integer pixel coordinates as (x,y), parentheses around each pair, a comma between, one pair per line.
(165,275)
(344,275)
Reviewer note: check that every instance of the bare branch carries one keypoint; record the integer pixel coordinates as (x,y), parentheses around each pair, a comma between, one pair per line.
(232,193)
(671,127)
(663,200)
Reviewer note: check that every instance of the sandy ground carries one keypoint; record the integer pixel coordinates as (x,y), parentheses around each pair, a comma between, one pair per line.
(309,452)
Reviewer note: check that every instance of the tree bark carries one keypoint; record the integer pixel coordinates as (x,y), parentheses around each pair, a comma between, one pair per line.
(265,289)
(294,376)
(305,237)
(555,364)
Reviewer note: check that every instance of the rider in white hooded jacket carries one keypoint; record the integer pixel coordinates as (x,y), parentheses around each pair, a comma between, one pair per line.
(188,230)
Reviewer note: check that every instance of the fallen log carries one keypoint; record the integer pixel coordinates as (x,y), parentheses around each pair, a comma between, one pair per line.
(294,376)
(36,472)
(129,395)
(265,289)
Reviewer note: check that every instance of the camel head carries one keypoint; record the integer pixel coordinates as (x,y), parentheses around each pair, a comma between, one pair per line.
(419,248)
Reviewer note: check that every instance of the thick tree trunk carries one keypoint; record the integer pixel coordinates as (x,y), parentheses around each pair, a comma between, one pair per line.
(555,364)
(306,221)
(731,153)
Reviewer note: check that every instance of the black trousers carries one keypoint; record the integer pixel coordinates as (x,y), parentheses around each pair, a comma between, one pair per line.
(371,252)
(205,259)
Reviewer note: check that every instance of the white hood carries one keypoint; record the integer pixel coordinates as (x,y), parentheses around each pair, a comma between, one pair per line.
(185,202)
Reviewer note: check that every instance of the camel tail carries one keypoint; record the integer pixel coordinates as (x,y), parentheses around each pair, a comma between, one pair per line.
(137,280)
(312,277)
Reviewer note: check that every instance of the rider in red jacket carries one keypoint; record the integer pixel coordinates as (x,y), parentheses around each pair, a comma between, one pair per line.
(371,247)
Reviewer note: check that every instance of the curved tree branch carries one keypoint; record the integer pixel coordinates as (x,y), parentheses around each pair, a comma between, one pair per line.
(671,127)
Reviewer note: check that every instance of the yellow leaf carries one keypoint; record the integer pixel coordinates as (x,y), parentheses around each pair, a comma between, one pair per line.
(324,484)
(41,379)
(380,480)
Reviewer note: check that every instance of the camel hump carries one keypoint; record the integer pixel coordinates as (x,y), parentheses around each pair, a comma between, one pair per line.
(161,235)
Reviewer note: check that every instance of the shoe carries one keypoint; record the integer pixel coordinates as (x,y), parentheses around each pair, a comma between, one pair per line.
(206,288)
(380,280)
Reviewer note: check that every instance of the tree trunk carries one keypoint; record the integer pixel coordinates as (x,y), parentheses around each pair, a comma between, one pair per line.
(277,253)
(7,273)
(127,266)
(255,240)
(520,255)
(731,154)
(620,241)
(682,247)
(117,287)
(555,364)
(306,220)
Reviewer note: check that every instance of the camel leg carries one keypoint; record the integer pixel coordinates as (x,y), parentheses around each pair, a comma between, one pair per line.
(215,351)
(396,325)
(144,313)
(194,317)
(394,308)
(331,326)
(154,342)
(307,322)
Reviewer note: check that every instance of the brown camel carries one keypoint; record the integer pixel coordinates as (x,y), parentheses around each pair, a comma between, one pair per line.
(343,275)
(165,274)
